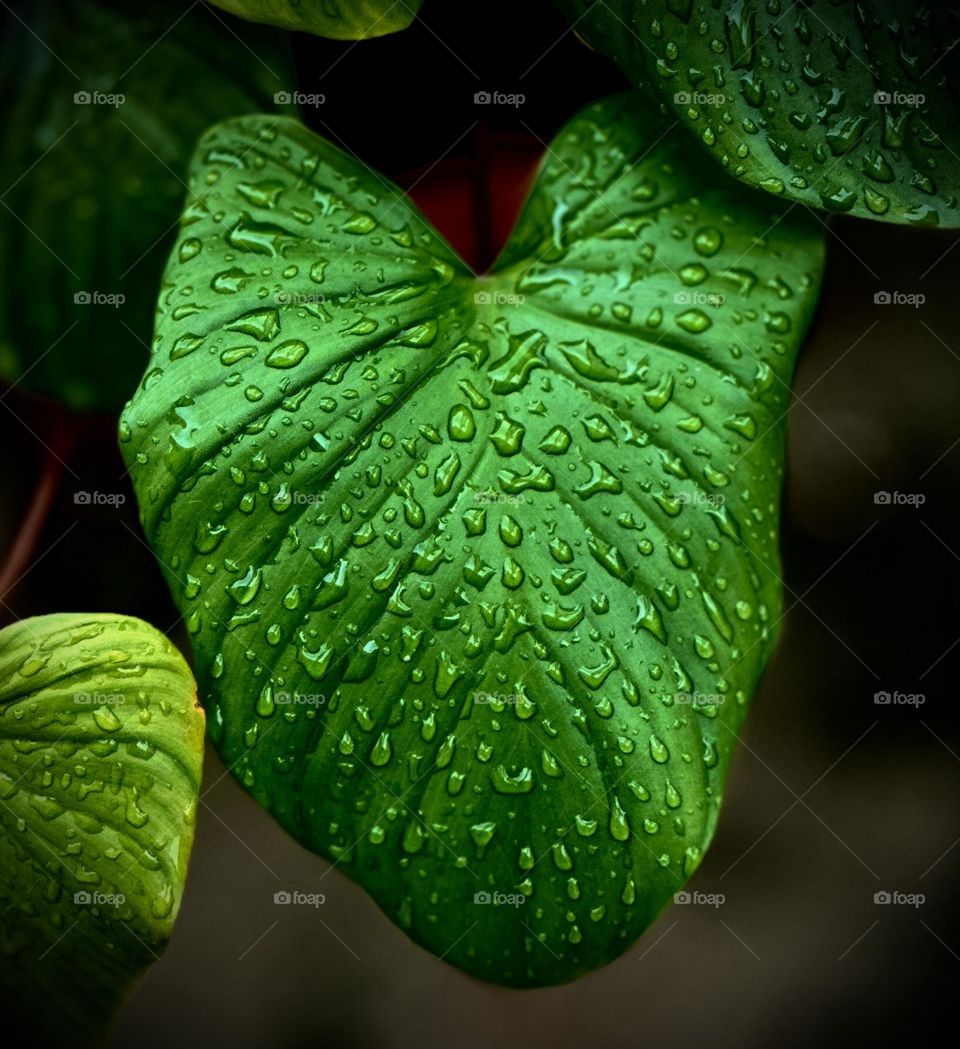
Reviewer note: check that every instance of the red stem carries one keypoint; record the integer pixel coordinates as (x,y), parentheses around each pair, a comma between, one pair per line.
(60,444)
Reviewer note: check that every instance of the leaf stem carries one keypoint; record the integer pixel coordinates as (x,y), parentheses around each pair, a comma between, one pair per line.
(60,442)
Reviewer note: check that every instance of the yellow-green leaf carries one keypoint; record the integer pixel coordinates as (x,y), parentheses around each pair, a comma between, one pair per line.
(101,742)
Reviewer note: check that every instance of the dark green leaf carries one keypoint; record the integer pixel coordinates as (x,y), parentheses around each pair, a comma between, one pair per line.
(340,19)
(105,103)
(846,106)
(454,551)
(101,742)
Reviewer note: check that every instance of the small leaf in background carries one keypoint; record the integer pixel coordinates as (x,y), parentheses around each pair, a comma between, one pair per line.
(339,19)
(101,744)
(106,101)
(845,106)
(481,572)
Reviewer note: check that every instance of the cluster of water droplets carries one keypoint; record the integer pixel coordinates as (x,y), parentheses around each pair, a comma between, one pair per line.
(452,551)
(787,99)
(100,750)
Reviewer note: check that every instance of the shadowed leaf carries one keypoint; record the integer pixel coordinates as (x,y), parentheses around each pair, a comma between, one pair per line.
(105,103)
(846,106)
(339,19)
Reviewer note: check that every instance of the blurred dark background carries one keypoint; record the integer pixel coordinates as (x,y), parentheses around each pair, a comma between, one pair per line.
(832,797)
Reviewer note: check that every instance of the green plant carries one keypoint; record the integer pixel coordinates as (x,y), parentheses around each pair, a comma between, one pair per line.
(101,742)
(379,481)
(339,19)
(101,159)
(846,106)
(480,570)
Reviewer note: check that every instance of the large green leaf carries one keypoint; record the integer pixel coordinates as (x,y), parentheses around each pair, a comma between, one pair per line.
(340,19)
(385,490)
(92,188)
(101,742)
(847,106)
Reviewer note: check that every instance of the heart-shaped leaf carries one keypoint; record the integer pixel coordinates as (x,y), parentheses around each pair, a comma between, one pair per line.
(846,106)
(457,552)
(101,742)
(339,19)
(105,103)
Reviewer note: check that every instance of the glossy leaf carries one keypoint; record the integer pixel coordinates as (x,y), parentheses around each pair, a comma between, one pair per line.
(105,102)
(101,742)
(846,106)
(339,19)
(455,550)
